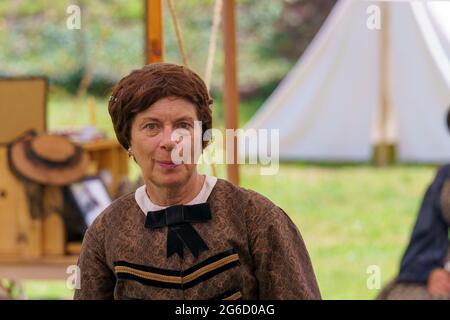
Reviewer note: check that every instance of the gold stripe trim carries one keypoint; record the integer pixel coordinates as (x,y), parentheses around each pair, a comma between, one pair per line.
(234,296)
(178,280)
(210,267)
(148,275)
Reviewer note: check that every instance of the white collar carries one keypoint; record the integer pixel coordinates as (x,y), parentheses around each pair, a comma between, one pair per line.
(146,204)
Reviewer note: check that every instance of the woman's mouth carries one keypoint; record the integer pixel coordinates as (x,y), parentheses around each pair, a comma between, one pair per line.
(167,164)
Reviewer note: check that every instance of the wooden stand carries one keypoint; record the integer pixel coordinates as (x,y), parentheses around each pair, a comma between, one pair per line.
(109,155)
(19,234)
(44,268)
(37,248)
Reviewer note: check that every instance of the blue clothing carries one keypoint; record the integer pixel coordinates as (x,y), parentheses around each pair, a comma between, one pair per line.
(429,241)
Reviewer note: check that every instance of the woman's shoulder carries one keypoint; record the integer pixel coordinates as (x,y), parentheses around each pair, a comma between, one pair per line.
(443,172)
(248,201)
(259,212)
(227,189)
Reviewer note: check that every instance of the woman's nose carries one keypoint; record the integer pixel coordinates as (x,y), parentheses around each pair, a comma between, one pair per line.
(167,142)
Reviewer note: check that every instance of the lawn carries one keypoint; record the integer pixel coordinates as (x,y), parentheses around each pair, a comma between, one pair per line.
(351,216)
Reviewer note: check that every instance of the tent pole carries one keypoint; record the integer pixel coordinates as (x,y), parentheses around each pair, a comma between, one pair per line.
(230,93)
(383,154)
(154,41)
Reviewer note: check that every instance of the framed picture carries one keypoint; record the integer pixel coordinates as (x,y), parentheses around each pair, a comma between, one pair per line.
(90,196)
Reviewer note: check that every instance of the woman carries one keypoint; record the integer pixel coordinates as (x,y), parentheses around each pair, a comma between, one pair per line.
(183,235)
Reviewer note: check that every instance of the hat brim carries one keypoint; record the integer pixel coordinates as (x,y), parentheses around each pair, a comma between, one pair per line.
(43,174)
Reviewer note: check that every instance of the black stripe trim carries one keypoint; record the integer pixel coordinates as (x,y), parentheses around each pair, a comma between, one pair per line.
(148,282)
(211,274)
(141,267)
(209,260)
(168,285)
(129,298)
(227,294)
(177,273)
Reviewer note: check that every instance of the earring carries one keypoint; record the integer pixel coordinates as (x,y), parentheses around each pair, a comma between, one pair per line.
(129,152)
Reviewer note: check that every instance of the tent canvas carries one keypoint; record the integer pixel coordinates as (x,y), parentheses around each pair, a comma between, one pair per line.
(328,108)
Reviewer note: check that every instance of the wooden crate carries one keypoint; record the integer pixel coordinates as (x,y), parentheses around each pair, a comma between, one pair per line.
(109,155)
(23,104)
(19,234)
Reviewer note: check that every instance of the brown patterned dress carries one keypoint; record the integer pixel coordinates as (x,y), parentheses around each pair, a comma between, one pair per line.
(255,252)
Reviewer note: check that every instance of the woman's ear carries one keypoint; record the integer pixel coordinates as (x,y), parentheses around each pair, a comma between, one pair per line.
(130,153)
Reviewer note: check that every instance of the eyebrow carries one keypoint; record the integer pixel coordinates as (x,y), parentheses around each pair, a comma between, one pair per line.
(185,118)
(176,120)
(148,118)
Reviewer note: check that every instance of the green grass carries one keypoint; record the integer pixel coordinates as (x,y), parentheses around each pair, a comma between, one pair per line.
(350,216)
(47,290)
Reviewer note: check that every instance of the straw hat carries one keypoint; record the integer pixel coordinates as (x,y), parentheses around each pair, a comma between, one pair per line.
(48,159)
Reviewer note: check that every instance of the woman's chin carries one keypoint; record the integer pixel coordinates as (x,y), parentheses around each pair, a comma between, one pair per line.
(170,179)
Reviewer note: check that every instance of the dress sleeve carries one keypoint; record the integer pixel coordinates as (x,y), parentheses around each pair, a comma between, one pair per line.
(97,281)
(429,241)
(282,264)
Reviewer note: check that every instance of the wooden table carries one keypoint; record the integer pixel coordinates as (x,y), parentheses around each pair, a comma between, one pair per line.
(43,268)
(15,270)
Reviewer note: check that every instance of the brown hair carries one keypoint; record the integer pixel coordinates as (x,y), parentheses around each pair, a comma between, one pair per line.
(143,87)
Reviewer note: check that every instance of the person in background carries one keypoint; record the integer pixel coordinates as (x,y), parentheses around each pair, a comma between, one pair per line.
(425,266)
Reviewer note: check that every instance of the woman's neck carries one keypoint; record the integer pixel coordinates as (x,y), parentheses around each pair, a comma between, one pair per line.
(175,195)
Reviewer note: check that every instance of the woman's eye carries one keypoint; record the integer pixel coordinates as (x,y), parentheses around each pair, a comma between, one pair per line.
(185,125)
(151,126)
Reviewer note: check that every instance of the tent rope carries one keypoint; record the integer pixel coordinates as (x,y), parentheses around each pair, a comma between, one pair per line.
(211,55)
(178,32)
(212,42)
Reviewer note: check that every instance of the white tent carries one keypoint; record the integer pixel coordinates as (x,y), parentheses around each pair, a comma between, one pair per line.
(331,105)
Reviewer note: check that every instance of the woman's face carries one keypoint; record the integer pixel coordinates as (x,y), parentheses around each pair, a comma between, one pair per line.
(152,141)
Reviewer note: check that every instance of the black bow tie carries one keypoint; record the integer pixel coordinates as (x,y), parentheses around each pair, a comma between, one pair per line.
(180,231)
